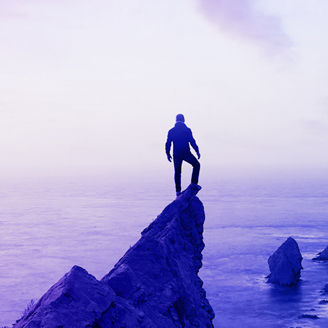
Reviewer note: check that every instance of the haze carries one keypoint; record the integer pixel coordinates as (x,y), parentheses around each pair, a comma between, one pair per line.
(90,85)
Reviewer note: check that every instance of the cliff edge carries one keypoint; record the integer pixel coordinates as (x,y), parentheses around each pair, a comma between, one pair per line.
(155,284)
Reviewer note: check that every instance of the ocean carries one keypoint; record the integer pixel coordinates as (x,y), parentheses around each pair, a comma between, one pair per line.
(47,225)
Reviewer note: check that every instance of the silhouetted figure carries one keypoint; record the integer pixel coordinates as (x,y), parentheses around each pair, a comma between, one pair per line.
(181,136)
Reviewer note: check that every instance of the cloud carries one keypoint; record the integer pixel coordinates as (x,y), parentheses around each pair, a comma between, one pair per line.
(241,18)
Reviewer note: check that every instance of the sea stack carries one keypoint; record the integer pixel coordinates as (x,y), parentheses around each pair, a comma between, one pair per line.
(322,256)
(285,264)
(155,284)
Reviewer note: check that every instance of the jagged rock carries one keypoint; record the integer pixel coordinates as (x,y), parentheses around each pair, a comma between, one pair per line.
(322,256)
(74,301)
(285,264)
(155,284)
(324,291)
(309,316)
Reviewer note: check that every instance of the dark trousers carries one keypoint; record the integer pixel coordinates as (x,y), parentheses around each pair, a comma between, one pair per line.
(189,158)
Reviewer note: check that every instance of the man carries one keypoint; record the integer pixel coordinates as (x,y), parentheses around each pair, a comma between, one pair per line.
(181,136)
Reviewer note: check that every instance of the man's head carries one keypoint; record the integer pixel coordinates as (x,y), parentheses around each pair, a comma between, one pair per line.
(180,118)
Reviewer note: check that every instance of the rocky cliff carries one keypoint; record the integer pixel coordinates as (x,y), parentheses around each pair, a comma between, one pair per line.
(154,285)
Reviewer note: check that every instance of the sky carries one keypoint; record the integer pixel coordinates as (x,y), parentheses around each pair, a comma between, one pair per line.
(95,85)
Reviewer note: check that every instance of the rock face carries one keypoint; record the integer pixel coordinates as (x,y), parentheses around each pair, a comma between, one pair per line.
(285,264)
(155,284)
(322,256)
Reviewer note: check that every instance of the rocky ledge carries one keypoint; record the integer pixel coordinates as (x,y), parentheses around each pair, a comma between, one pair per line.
(155,284)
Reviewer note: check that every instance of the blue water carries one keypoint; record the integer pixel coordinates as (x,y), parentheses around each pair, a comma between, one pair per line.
(48,225)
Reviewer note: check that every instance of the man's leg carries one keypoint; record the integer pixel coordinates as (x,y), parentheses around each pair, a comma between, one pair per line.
(191,159)
(177,172)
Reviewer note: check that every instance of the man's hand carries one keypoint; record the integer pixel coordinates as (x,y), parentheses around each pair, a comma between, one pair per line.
(198,155)
(169,157)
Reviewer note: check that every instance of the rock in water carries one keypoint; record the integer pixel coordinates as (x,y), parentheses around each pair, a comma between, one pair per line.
(285,264)
(155,284)
(322,256)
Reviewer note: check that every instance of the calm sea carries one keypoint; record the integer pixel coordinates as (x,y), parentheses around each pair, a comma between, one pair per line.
(47,225)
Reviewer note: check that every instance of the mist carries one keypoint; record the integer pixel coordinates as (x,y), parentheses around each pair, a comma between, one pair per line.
(96,86)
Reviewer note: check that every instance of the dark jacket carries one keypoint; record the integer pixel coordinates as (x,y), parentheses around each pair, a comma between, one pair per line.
(181,136)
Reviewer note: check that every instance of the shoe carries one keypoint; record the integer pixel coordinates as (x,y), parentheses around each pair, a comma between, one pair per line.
(196,186)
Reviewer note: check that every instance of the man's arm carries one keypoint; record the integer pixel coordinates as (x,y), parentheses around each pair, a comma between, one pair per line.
(193,144)
(168,146)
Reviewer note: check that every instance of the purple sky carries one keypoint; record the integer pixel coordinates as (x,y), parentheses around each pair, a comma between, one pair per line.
(88,85)
(243,18)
